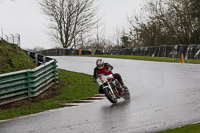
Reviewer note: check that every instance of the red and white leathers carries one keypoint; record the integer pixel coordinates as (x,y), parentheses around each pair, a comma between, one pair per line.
(106,70)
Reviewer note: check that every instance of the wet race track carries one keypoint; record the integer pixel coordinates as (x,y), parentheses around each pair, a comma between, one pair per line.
(164,95)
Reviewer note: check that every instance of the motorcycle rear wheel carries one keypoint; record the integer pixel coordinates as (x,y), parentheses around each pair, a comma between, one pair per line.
(111,97)
(127,94)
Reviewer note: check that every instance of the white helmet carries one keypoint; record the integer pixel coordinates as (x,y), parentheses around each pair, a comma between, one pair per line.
(100,63)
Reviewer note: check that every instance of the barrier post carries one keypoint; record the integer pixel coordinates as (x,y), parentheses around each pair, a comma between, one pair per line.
(29,82)
(182,58)
(36,59)
(80,52)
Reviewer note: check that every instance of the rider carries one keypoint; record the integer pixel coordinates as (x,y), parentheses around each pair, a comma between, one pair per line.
(106,69)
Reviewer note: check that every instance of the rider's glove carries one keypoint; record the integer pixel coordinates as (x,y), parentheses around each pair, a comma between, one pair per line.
(109,69)
(107,72)
(94,80)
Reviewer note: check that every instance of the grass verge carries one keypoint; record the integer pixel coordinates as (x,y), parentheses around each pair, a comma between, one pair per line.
(148,58)
(73,86)
(194,128)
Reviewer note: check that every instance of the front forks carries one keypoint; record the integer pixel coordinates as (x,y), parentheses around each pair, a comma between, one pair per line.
(109,86)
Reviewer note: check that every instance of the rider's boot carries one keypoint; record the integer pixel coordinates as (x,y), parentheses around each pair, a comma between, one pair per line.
(121,89)
(101,91)
(123,85)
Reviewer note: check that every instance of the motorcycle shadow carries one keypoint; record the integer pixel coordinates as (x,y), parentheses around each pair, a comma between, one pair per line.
(117,107)
(121,103)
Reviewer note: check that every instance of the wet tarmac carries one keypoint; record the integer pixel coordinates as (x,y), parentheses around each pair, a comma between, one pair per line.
(164,95)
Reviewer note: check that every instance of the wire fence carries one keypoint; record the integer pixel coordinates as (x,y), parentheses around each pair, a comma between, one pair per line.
(15,39)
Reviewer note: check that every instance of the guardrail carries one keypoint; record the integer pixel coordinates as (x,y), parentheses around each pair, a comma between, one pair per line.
(29,83)
(63,51)
(37,58)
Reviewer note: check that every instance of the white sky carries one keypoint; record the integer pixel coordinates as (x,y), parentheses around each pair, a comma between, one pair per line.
(24,17)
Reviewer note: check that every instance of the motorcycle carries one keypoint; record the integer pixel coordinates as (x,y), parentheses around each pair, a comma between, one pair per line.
(112,87)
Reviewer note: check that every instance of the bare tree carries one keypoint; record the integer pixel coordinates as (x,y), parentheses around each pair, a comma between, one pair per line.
(167,22)
(69,19)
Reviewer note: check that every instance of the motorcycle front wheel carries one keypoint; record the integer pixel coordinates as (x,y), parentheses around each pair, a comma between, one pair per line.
(111,97)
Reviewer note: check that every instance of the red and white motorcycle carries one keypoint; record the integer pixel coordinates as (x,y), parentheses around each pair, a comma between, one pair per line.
(111,88)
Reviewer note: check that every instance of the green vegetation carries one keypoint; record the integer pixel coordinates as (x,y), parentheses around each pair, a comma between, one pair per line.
(148,58)
(73,86)
(155,25)
(12,58)
(194,128)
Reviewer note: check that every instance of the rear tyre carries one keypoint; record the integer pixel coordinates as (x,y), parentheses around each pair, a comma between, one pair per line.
(111,97)
(127,94)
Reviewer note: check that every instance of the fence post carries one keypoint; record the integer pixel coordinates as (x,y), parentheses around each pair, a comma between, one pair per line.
(18,41)
(2,33)
(13,38)
(28,53)
(55,72)
(44,59)
(6,38)
(29,82)
(36,58)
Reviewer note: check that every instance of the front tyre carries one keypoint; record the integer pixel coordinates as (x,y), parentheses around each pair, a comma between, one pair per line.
(111,97)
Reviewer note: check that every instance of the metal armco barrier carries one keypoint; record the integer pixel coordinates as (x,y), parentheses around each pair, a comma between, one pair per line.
(29,83)
(172,51)
(37,58)
(63,51)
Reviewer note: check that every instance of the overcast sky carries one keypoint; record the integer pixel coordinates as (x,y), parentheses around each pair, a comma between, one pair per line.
(24,17)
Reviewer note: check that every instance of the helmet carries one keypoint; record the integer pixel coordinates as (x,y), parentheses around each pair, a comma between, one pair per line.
(100,63)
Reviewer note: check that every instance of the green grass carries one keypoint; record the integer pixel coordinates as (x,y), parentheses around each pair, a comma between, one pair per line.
(13,58)
(75,86)
(148,58)
(194,128)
